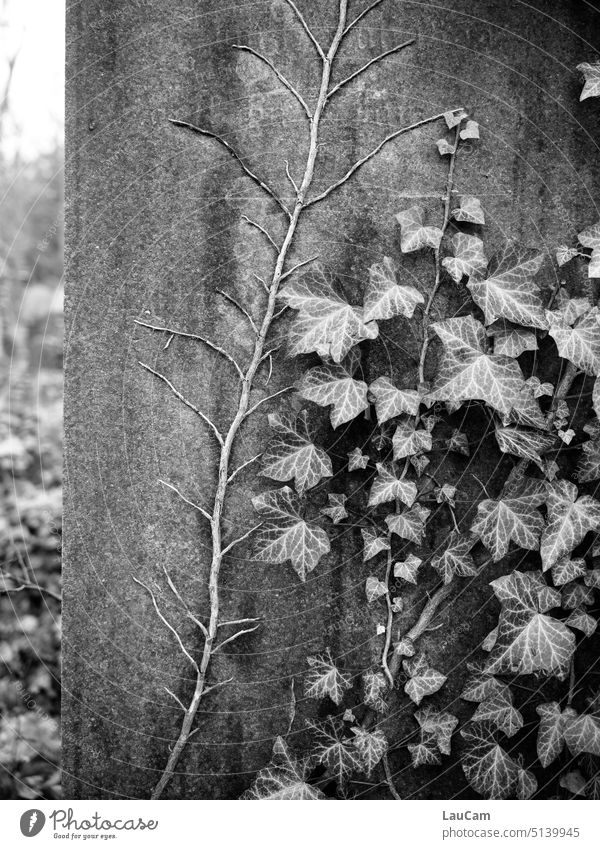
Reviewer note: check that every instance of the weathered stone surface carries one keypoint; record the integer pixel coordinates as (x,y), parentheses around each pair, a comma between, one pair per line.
(154,227)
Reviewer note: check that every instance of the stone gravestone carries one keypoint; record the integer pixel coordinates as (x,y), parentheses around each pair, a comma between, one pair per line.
(155,227)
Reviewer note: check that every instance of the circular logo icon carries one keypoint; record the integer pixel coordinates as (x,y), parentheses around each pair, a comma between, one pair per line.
(32,822)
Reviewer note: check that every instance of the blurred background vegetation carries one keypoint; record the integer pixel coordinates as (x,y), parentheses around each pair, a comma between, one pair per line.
(31,334)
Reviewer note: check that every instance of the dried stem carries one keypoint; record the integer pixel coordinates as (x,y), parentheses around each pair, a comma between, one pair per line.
(278,74)
(240,307)
(265,232)
(390,778)
(307,29)
(361,70)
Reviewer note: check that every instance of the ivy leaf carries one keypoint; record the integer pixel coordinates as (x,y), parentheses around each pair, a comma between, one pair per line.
(424,753)
(508,291)
(283,778)
(325,323)
(569,519)
(550,739)
(373,544)
(568,309)
(528,640)
(455,117)
(408,440)
(456,559)
(582,733)
(579,344)
(410,524)
(565,254)
(459,442)
(510,340)
(419,464)
(566,570)
(588,467)
(507,520)
(334,384)
(388,487)
(526,784)
(336,509)
(374,589)
(340,758)
(375,685)
(286,535)
(592,578)
(468,258)
(407,569)
(591,74)
(357,460)
(293,454)
(528,444)
(371,747)
(469,211)
(444,147)
(487,766)
(468,372)
(481,687)
(499,710)
(325,679)
(538,388)
(384,298)
(423,679)
(574,595)
(391,402)
(582,621)
(525,410)
(489,642)
(414,234)
(438,723)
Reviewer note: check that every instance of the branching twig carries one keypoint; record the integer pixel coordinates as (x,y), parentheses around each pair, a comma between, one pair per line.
(241,308)
(282,79)
(268,398)
(361,70)
(298,265)
(359,17)
(197,507)
(166,622)
(307,29)
(238,540)
(243,466)
(24,585)
(265,232)
(235,637)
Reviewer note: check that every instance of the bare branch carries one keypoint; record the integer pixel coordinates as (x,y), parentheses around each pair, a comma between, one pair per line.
(210,344)
(381,56)
(298,265)
(361,16)
(179,702)
(289,176)
(241,308)
(270,369)
(241,539)
(268,398)
(373,153)
(237,157)
(389,777)
(243,466)
(239,622)
(267,235)
(184,400)
(214,687)
(307,30)
(24,585)
(204,512)
(278,74)
(168,624)
(260,280)
(234,637)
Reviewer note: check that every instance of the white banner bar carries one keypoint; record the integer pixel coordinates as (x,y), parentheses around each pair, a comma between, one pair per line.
(286,825)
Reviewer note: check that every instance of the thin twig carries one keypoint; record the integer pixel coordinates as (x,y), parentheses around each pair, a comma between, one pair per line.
(361,16)
(289,176)
(204,512)
(206,341)
(389,777)
(214,687)
(292,710)
(307,29)
(390,621)
(234,637)
(236,156)
(361,70)
(282,79)
(299,265)
(179,702)
(241,539)
(243,466)
(25,585)
(265,232)
(373,153)
(268,398)
(239,621)
(241,308)
(166,622)
(185,401)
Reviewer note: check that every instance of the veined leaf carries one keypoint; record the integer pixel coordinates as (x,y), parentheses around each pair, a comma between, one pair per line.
(582,621)
(565,254)
(384,298)
(388,487)
(284,778)
(325,679)
(338,755)
(550,739)
(357,460)
(588,467)
(407,569)
(336,509)
(424,753)
(469,211)
(529,444)
(582,733)
(488,768)
(456,559)
(459,442)
(326,323)
(375,589)
(574,594)
(507,520)
(481,687)
(567,310)
(508,291)
(579,344)
(439,723)
(510,340)
(566,570)
(334,384)
(371,747)
(499,710)
(569,519)
(468,372)
(526,784)
(293,454)
(414,234)
(375,685)
(528,640)
(408,440)
(591,73)
(373,544)
(590,237)
(285,535)
(410,524)
(423,679)
(391,402)
(468,258)
(538,388)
